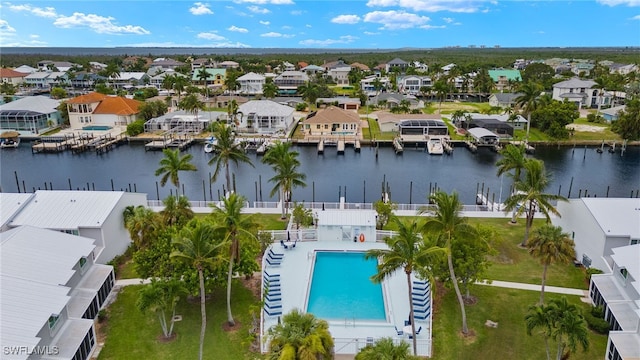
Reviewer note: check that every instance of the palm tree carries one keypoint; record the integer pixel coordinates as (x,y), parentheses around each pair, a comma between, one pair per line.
(539,316)
(377,85)
(569,327)
(528,100)
(285,163)
(179,84)
(529,196)
(177,210)
(407,251)
(229,217)
(141,222)
(309,92)
(160,297)
(225,150)
(441,89)
(450,227)
(191,104)
(269,90)
(513,158)
(550,245)
(171,165)
(203,75)
(600,84)
(232,111)
(384,348)
(300,336)
(198,246)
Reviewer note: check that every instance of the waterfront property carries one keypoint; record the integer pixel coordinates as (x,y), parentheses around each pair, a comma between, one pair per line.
(419,129)
(581,92)
(332,121)
(323,271)
(30,115)
(183,122)
(265,117)
(51,293)
(102,110)
(92,214)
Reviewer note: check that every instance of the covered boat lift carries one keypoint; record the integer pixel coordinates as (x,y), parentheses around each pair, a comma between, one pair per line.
(484,137)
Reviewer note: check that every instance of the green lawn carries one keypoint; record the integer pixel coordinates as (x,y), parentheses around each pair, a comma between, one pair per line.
(509,340)
(133,335)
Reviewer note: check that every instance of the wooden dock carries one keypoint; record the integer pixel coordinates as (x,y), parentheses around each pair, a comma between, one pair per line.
(157,144)
(397,146)
(340,147)
(448,148)
(47,147)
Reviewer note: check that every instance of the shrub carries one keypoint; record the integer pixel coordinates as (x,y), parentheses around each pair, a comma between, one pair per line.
(135,128)
(591,271)
(102,315)
(301,106)
(596,323)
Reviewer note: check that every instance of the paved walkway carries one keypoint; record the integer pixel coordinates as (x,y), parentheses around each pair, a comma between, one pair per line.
(534,287)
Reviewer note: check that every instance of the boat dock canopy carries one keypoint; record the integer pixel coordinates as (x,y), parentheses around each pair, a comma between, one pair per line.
(483,136)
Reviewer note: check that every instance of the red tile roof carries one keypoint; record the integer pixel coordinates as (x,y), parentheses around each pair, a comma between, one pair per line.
(10,73)
(118,106)
(88,98)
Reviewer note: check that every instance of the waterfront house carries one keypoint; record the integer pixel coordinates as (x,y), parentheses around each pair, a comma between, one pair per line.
(45,80)
(503,100)
(389,122)
(332,121)
(251,83)
(419,128)
(581,92)
(166,63)
(228,64)
(397,65)
(598,225)
(312,69)
(26,69)
(92,214)
(95,109)
(85,80)
(493,122)
(412,84)
(504,78)
(215,77)
(612,114)
(392,100)
(58,66)
(183,122)
(368,84)
(8,76)
(222,101)
(51,293)
(126,80)
(340,73)
(30,115)
(289,81)
(265,117)
(618,292)
(10,204)
(342,102)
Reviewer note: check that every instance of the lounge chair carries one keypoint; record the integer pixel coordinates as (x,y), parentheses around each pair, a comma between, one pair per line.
(418,331)
(416,302)
(422,316)
(399,332)
(407,322)
(421,287)
(273,312)
(422,310)
(294,244)
(277,259)
(265,274)
(273,263)
(273,297)
(420,282)
(274,254)
(268,281)
(283,244)
(272,288)
(272,306)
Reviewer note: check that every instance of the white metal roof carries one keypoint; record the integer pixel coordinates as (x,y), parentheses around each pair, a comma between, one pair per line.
(616,216)
(266,108)
(575,83)
(42,255)
(479,133)
(629,258)
(10,204)
(41,104)
(251,76)
(60,209)
(346,217)
(25,307)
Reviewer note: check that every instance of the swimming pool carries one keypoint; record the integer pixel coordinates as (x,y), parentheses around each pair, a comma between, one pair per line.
(96,127)
(341,288)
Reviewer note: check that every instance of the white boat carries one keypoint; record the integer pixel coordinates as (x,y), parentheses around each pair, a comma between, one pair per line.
(9,140)
(208,146)
(434,146)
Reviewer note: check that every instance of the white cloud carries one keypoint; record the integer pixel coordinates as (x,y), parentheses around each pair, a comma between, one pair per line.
(371,33)
(47,12)
(428,27)
(637,17)
(308,26)
(286,27)
(448,20)
(265,23)
(5,27)
(170,44)
(346,19)
(200,9)
(346,39)
(210,36)
(619,2)
(276,35)
(296,12)
(237,29)
(34,36)
(258,9)
(393,19)
(263,2)
(434,5)
(97,23)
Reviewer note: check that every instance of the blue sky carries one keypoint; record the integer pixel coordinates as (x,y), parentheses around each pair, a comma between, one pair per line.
(384,24)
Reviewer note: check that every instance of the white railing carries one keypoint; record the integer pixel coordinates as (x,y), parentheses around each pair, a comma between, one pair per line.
(353,345)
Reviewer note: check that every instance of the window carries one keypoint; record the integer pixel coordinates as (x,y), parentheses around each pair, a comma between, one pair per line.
(634,241)
(326,126)
(82,264)
(53,321)
(624,272)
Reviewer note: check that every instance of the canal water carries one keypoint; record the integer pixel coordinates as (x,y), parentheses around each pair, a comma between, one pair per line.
(358,177)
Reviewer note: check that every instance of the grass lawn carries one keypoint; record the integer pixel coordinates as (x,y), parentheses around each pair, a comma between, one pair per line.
(450,107)
(509,340)
(133,335)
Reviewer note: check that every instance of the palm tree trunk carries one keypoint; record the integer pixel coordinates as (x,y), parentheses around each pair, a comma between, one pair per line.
(465,329)
(546,344)
(544,278)
(560,349)
(228,176)
(203,313)
(229,315)
(282,200)
(527,227)
(411,318)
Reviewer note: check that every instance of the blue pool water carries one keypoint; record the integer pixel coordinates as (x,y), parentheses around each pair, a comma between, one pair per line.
(341,287)
(96,127)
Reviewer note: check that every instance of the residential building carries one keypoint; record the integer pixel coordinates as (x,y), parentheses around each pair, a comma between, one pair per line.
(30,115)
(360,66)
(343,102)
(421,67)
(287,66)
(419,128)
(183,122)
(312,69)
(26,69)
(332,121)
(228,64)
(503,100)
(8,76)
(598,225)
(202,62)
(505,78)
(289,81)
(391,100)
(222,101)
(55,66)
(215,77)
(85,80)
(612,114)
(412,84)
(45,80)
(623,69)
(390,122)
(515,122)
(397,65)
(251,83)
(127,80)
(101,110)
(368,84)
(445,69)
(265,117)
(340,74)
(93,214)
(166,63)
(580,92)
(51,292)
(346,225)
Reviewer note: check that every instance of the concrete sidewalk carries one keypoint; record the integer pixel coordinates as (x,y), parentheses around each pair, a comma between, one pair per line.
(534,287)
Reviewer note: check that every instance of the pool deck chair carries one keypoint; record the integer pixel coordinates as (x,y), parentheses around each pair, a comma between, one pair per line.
(273,263)
(273,297)
(421,310)
(420,286)
(422,316)
(274,259)
(272,288)
(268,281)
(275,255)
(273,306)
(273,312)
(266,275)
(399,332)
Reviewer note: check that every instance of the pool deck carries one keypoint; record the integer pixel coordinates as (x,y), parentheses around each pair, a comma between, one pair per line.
(350,335)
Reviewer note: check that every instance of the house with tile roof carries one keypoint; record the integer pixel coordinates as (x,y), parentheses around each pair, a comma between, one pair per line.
(52,292)
(95,109)
(30,115)
(332,121)
(9,76)
(581,92)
